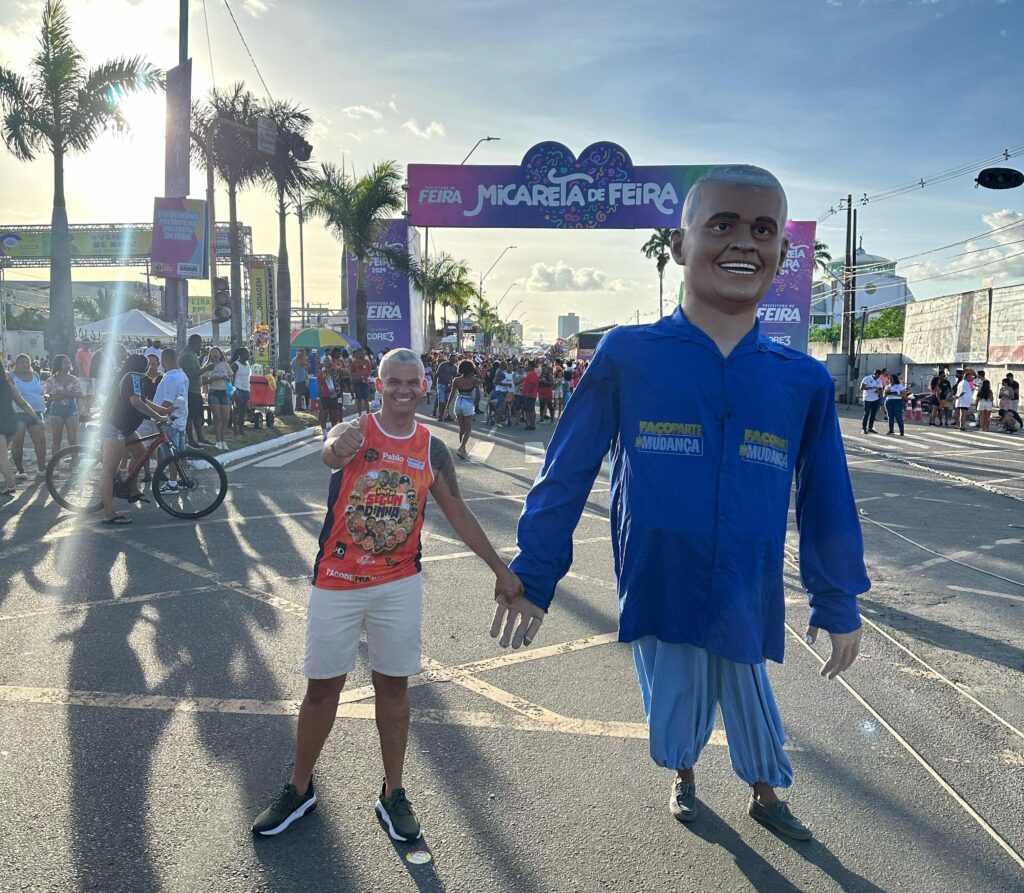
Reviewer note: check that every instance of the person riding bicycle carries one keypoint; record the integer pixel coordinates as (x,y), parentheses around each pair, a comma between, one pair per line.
(123,412)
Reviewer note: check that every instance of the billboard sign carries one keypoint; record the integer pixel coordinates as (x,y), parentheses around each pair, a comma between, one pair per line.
(260,314)
(552,188)
(950,329)
(387,293)
(1006,341)
(180,247)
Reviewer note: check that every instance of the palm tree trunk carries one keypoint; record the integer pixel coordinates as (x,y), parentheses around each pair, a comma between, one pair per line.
(236,268)
(361,312)
(62,312)
(661,292)
(284,289)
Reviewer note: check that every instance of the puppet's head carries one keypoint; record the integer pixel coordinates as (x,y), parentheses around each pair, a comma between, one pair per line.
(732,237)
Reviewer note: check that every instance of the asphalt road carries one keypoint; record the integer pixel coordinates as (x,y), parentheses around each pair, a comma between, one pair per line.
(150,676)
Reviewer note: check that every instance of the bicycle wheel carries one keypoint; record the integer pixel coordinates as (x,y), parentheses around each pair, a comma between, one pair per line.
(189,484)
(73,478)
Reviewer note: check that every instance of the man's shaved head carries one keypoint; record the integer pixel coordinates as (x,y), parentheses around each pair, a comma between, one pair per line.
(735,174)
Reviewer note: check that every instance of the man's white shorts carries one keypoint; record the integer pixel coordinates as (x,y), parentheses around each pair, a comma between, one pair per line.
(391,614)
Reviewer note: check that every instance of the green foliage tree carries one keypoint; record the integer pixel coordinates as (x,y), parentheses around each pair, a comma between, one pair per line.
(288,177)
(224,133)
(437,279)
(829,334)
(355,210)
(658,248)
(61,108)
(887,324)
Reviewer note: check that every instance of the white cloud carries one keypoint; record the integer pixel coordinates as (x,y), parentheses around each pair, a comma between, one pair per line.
(392,105)
(362,111)
(561,277)
(256,8)
(433,129)
(1004,259)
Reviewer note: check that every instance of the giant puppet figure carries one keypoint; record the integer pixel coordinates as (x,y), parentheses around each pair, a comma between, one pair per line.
(701,477)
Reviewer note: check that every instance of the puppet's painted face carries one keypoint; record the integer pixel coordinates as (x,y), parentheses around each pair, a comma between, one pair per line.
(735,245)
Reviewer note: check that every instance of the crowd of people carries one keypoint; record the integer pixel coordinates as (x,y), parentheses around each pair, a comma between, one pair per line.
(206,388)
(949,403)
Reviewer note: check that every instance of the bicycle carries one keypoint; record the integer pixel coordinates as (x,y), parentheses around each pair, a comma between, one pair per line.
(73,478)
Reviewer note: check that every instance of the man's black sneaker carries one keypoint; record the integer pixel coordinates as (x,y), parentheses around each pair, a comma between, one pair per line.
(397,814)
(683,802)
(288,806)
(779,818)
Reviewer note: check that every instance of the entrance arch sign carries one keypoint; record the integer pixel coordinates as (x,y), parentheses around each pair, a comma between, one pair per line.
(552,189)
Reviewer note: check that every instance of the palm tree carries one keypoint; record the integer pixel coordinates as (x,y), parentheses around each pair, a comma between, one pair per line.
(822,256)
(356,211)
(225,127)
(460,302)
(658,247)
(442,278)
(287,176)
(62,107)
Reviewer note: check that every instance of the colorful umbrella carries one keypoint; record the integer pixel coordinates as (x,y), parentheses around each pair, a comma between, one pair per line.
(323,337)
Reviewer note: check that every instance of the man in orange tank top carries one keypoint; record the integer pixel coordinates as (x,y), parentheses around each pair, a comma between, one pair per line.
(366,576)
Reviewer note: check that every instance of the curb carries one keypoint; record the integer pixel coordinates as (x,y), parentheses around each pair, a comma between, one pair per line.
(267,446)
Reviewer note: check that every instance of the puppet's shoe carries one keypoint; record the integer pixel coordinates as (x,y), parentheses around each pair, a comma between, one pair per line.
(683,802)
(778,818)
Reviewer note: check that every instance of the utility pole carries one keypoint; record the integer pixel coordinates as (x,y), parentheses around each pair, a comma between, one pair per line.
(301,214)
(174,186)
(852,355)
(845,321)
(211,222)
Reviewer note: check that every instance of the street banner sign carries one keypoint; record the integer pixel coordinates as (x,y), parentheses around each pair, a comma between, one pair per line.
(180,240)
(387,293)
(785,311)
(176,146)
(266,136)
(552,188)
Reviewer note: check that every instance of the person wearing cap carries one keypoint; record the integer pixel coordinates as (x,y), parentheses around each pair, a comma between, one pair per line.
(701,480)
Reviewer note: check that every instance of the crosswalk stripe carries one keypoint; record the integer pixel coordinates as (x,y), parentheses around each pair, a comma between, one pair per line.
(534,451)
(481,450)
(285,458)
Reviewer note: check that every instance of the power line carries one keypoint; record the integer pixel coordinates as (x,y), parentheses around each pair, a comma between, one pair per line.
(922,182)
(209,46)
(984,235)
(251,58)
(972,251)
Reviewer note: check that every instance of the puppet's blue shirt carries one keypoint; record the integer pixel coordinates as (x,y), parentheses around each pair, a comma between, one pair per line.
(703,454)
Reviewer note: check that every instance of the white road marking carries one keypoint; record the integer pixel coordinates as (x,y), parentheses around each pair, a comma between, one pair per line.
(988,592)
(289,456)
(481,450)
(534,451)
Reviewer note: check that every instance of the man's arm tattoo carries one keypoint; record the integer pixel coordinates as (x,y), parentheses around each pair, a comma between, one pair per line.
(443,465)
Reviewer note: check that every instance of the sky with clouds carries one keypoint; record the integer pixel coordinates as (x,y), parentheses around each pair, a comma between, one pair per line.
(834,96)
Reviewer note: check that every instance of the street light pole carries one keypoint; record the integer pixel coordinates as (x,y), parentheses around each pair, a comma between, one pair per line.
(507,290)
(483,139)
(488,273)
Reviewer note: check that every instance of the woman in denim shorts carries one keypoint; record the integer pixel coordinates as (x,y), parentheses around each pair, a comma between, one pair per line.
(218,373)
(63,389)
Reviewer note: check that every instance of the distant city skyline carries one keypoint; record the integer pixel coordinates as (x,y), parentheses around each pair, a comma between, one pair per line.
(834,97)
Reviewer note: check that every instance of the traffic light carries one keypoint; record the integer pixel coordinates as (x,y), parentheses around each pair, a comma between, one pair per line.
(293,143)
(221,299)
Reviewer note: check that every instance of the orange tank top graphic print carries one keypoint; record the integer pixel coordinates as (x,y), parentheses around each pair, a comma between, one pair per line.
(371,534)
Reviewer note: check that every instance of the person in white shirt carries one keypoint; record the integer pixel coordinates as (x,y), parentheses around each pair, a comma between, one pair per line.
(964,398)
(173,391)
(871,386)
(894,403)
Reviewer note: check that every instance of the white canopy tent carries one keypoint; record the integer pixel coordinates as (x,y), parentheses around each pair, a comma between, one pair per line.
(130,324)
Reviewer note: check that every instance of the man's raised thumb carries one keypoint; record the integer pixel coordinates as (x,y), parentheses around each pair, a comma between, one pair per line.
(361,422)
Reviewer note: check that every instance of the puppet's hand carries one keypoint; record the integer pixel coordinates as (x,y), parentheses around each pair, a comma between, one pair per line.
(845,647)
(521,612)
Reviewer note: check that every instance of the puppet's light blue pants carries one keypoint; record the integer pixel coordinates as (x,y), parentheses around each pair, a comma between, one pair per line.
(682,688)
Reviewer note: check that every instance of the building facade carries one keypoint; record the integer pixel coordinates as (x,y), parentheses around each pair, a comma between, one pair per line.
(568,325)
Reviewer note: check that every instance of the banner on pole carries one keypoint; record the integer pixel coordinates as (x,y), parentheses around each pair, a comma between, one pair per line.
(786,310)
(387,293)
(180,245)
